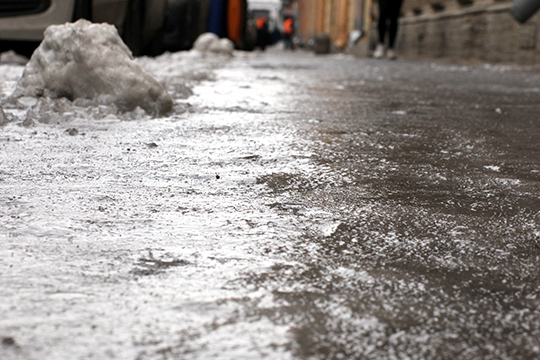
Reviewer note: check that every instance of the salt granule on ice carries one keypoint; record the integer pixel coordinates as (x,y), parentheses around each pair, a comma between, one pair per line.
(90,61)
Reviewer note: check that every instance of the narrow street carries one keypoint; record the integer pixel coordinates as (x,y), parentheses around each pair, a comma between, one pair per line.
(292,206)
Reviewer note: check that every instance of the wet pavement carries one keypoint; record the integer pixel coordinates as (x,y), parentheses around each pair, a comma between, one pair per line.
(292,207)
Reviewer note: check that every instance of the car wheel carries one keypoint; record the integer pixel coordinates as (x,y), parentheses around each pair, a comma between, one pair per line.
(155,47)
(133,27)
(82,10)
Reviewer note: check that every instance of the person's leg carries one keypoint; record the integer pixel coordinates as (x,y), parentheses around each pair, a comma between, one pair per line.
(381,27)
(383,18)
(393,16)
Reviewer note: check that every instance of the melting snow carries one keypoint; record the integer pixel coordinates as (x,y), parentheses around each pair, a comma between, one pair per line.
(90,61)
(209,42)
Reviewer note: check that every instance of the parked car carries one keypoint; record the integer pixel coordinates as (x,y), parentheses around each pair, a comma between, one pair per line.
(185,20)
(139,22)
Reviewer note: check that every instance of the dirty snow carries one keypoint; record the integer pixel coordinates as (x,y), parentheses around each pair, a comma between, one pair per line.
(119,240)
(11,57)
(211,43)
(90,62)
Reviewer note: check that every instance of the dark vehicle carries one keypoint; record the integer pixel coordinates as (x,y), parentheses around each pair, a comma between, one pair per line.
(217,12)
(139,22)
(185,20)
(236,21)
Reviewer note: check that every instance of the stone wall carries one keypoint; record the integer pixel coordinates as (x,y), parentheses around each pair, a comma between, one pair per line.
(483,32)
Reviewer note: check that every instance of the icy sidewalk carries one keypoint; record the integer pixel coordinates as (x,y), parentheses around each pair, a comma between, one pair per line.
(125,240)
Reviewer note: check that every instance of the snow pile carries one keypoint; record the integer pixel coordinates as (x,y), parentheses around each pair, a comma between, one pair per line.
(90,61)
(11,57)
(210,42)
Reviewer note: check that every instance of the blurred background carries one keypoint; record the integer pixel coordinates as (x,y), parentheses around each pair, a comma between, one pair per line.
(482,30)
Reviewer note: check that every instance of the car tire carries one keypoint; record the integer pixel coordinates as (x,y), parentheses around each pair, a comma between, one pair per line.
(155,47)
(82,10)
(132,33)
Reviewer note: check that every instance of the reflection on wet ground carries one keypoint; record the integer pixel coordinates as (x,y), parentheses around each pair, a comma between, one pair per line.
(296,207)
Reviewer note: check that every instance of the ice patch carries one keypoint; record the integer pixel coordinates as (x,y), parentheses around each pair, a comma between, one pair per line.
(328,228)
(90,61)
(493,168)
(510,182)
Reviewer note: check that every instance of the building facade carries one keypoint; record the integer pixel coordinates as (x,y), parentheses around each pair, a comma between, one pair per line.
(472,30)
(336,18)
(481,30)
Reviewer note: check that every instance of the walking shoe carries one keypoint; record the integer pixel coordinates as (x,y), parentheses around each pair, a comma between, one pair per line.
(391,54)
(379,51)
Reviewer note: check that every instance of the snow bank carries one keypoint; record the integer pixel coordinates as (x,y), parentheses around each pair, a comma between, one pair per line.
(209,42)
(90,61)
(11,57)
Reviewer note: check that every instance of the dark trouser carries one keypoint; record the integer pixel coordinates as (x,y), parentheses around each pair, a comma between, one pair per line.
(287,38)
(389,13)
(262,38)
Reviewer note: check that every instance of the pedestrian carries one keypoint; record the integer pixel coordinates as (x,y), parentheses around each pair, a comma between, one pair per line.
(288,33)
(389,11)
(262,33)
